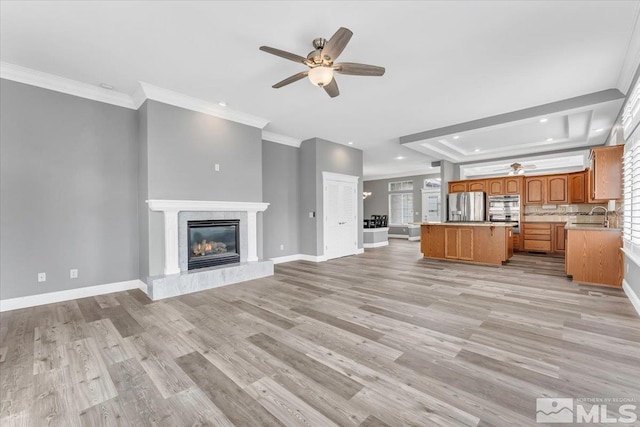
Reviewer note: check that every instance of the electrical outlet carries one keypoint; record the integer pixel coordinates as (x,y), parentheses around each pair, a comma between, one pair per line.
(312,214)
(73,273)
(282,247)
(217,167)
(42,277)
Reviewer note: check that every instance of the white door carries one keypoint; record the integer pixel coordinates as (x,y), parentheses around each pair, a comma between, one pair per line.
(431,206)
(341,218)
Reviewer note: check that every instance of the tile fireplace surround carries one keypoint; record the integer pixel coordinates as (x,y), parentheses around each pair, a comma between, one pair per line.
(177,279)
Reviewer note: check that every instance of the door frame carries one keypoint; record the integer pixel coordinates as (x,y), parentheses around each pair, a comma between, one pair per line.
(339,177)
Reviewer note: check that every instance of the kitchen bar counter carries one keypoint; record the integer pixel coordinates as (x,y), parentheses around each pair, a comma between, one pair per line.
(477,242)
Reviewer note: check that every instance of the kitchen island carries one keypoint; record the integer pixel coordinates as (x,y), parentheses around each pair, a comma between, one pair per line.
(593,254)
(476,242)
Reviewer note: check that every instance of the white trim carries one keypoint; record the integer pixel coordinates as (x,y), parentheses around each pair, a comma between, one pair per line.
(171,208)
(633,297)
(631,256)
(36,78)
(332,176)
(399,236)
(414,239)
(287,258)
(70,294)
(375,245)
(177,99)
(281,139)
(435,171)
(205,205)
(313,258)
(359,251)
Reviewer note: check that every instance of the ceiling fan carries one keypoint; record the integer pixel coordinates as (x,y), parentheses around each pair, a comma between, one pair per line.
(518,169)
(321,63)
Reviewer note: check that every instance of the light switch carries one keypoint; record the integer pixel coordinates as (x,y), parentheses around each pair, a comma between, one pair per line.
(42,277)
(217,167)
(73,273)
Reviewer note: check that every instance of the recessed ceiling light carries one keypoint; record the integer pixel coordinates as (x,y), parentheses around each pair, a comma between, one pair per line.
(350,142)
(399,158)
(456,136)
(477,150)
(106,86)
(222,103)
(598,130)
(549,139)
(543,120)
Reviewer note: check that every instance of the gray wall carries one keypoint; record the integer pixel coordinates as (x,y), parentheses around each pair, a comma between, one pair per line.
(68,191)
(378,202)
(317,156)
(280,188)
(143,194)
(182,148)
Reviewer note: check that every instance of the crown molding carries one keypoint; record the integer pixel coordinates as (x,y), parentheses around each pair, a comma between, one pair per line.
(177,99)
(144,91)
(281,139)
(32,77)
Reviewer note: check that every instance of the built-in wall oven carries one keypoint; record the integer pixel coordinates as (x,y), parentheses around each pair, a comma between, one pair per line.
(505,209)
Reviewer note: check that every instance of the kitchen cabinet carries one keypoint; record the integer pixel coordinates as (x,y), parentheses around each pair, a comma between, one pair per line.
(457,186)
(556,193)
(496,187)
(546,190)
(478,185)
(594,257)
(578,187)
(534,190)
(546,237)
(513,185)
(559,237)
(605,173)
(483,243)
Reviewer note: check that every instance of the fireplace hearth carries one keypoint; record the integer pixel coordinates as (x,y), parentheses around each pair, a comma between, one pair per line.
(213,242)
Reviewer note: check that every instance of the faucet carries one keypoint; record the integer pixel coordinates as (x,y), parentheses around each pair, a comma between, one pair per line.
(606,214)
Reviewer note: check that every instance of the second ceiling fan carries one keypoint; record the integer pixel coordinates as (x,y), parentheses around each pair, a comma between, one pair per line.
(321,63)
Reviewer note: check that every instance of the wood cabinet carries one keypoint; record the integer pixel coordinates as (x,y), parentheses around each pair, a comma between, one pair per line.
(513,185)
(548,189)
(534,190)
(559,237)
(457,186)
(594,256)
(605,173)
(578,187)
(546,237)
(496,186)
(557,193)
(477,185)
(474,243)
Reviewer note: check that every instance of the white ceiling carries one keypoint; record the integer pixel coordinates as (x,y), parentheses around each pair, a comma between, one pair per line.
(447,62)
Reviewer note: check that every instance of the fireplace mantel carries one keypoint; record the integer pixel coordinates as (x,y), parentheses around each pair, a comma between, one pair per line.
(171,208)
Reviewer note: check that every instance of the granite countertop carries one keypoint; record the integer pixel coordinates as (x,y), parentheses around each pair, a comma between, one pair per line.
(472,224)
(597,227)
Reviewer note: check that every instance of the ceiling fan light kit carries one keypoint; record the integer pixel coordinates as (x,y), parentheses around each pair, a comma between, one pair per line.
(321,63)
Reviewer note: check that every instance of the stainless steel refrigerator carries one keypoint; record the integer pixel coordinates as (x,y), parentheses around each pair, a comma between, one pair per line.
(467,207)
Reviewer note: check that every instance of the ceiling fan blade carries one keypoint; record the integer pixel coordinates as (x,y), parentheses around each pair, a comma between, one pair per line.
(356,69)
(336,44)
(291,79)
(283,54)
(332,88)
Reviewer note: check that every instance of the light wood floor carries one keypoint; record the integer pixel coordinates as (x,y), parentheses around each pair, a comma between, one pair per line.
(384,338)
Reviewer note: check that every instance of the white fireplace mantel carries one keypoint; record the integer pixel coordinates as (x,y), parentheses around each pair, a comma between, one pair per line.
(171,208)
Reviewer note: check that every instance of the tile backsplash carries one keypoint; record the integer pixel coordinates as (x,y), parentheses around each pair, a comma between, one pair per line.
(564,213)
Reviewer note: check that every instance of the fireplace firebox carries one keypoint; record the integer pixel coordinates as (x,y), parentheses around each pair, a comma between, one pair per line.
(213,242)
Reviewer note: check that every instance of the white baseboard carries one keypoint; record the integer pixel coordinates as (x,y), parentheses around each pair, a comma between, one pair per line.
(359,251)
(376,245)
(304,257)
(313,258)
(633,297)
(288,258)
(414,239)
(70,294)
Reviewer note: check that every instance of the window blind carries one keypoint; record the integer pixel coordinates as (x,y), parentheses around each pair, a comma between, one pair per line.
(631,201)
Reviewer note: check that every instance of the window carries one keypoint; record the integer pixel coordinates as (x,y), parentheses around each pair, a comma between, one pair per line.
(400,208)
(432,184)
(631,202)
(401,186)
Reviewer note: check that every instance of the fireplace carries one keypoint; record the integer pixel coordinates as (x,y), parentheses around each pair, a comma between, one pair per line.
(213,242)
